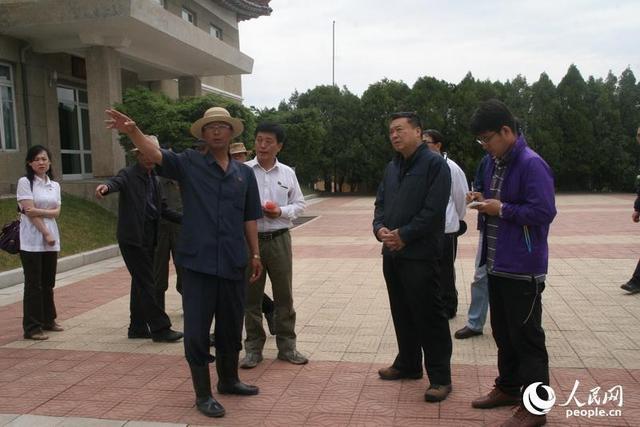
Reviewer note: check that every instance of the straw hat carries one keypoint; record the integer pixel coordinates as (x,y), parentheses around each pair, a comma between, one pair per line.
(237,147)
(217,114)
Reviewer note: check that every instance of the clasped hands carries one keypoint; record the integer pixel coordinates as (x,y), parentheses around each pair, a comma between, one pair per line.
(390,239)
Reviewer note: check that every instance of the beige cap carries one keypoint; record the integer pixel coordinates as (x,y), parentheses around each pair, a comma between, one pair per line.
(237,147)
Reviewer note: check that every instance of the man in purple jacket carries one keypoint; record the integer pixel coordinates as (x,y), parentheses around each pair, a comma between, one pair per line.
(517,207)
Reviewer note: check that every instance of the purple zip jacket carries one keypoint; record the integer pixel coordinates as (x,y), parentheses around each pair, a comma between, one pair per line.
(528,203)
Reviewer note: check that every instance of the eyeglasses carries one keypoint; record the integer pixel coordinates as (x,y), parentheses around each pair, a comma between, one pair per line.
(487,139)
(216,127)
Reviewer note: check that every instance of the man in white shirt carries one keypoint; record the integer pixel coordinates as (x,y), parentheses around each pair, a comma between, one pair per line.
(456,209)
(282,201)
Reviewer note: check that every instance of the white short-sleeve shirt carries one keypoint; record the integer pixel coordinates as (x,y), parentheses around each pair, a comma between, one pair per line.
(45,195)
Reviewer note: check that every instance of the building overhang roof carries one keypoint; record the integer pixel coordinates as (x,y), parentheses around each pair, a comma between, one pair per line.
(247,9)
(152,42)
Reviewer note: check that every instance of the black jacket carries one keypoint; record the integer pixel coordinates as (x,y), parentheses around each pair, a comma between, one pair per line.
(413,197)
(131,182)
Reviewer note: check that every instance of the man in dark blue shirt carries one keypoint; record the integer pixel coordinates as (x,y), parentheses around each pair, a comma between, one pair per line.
(221,204)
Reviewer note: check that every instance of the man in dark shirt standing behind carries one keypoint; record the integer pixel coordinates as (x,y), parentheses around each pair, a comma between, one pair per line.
(221,204)
(140,208)
(409,220)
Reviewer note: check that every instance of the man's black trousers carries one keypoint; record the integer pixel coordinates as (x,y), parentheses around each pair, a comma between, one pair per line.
(516,320)
(143,305)
(418,317)
(448,274)
(203,297)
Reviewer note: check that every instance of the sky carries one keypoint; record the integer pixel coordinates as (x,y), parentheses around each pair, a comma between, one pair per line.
(407,39)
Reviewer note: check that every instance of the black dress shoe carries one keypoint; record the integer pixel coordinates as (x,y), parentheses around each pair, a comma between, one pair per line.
(631,287)
(132,334)
(210,407)
(466,332)
(166,335)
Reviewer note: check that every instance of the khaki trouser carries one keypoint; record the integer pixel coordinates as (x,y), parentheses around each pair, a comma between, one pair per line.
(277,262)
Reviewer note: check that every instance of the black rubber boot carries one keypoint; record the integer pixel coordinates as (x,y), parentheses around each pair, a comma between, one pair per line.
(205,403)
(228,381)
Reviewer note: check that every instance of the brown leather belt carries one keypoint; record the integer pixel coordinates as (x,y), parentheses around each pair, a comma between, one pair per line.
(272,234)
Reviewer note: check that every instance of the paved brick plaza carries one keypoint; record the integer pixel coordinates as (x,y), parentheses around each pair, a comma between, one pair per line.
(90,374)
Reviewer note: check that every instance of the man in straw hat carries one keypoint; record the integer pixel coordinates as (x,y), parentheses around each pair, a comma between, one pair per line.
(139,210)
(221,204)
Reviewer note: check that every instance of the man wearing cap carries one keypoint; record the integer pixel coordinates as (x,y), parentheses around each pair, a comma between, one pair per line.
(168,233)
(282,202)
(238,152)
(139,210)
(221,205)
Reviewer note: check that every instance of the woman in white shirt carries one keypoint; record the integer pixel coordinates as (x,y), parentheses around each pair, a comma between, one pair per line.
(39,199)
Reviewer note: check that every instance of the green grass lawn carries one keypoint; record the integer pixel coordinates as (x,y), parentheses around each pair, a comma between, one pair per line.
(83,226)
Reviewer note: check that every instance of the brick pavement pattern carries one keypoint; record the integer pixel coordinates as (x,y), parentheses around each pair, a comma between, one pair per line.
(91,374)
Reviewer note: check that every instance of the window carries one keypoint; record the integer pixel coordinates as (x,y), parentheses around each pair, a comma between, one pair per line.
(188,16)
(75,140)
(8,126)
(215,31)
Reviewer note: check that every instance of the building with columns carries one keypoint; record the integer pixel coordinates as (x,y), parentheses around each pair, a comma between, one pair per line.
(62,62)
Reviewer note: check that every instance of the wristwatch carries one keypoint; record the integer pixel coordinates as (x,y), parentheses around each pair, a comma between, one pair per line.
(500,211)
(255,256)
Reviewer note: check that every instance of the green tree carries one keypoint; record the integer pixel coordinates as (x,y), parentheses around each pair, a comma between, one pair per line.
(544,133)
(341,147)
(578,141)
(610,164)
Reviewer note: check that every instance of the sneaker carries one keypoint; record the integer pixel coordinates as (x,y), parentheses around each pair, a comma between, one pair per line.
(631,287)
(293,356)
(38,336)
(495,398)
(523,418)
(250,360)
(437,393)
(466,332)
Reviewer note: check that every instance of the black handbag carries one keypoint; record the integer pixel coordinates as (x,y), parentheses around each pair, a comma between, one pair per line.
(10,237)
